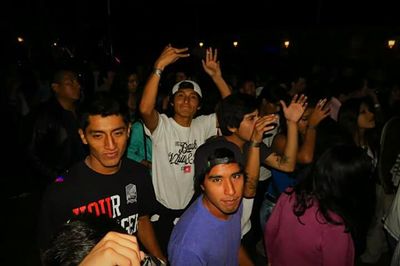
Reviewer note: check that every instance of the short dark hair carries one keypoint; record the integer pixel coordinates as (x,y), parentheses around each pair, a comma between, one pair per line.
(231,110)
(210,157)
(103,104)
(76,238)
(60,73)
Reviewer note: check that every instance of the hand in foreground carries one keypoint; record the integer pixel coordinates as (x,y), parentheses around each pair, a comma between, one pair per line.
(114,249)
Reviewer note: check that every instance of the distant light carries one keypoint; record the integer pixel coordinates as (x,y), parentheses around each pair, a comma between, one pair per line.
(235,44)
(286,44)
(20,39)
(54,44)
(201,44)
(117,60)
(391,43)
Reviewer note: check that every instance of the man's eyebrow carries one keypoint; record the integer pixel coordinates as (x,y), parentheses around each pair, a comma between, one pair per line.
(95,131)
(214,176)
(102,131)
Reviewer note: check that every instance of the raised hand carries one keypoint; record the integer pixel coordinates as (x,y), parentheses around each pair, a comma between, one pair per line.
(320,112)
(170,55)
(211,64)
(296,108)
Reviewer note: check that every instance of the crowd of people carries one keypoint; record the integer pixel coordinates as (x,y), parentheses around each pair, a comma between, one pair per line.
(299,169)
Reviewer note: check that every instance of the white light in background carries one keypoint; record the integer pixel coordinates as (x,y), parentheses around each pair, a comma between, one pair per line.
(235,44)
(201,44)
(391,43)
(286,44)
(20,39)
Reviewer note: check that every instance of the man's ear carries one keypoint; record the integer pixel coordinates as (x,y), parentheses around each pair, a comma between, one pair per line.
(129,129)
(232,129)
(82,135)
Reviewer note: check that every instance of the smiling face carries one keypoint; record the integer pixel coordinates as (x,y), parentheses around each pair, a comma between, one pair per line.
(223,189)
(107,139)
(186,103)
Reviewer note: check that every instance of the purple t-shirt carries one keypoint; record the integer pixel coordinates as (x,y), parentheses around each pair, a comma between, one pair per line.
(308,240)
(200,238)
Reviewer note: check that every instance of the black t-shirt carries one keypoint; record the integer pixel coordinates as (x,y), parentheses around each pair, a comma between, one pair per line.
(123,196)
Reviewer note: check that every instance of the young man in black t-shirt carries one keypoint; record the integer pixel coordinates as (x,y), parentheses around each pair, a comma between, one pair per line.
(104,183)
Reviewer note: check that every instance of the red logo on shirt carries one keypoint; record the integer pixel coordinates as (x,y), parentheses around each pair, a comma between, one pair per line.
(187,168)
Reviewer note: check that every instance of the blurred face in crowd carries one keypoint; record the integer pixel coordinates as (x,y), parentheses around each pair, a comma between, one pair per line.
(249,87)
(366,119)
(68,87)
(133,83)
(302,124)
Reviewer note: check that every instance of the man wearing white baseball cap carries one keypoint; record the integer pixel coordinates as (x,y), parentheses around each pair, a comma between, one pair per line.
(187,84)
(175,139)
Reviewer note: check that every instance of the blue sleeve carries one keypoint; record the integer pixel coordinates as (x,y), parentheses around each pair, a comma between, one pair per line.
(136,144)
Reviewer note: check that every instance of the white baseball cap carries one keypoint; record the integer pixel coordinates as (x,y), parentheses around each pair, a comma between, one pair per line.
(184,85)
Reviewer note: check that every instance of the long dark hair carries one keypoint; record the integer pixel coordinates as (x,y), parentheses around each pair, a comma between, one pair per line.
(348,117)
(340,182)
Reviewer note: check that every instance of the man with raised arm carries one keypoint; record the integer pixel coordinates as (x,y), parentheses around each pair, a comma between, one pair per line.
(175,139)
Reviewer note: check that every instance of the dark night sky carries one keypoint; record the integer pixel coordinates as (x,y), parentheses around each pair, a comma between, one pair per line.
(136,25)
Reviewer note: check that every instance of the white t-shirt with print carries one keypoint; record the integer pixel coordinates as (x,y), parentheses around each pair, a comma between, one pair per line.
(173,155)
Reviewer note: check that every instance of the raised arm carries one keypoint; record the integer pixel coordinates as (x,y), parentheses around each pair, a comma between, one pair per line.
(147,105)
(262,125)
(287,161)
(212,67)
(305,155)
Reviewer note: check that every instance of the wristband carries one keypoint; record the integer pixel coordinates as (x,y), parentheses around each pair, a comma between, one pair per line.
(255,144)
(157,72)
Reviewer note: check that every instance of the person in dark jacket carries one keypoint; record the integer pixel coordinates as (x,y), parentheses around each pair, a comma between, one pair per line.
(53,142)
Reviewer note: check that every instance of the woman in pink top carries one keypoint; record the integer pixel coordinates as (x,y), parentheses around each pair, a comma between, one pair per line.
(313,223)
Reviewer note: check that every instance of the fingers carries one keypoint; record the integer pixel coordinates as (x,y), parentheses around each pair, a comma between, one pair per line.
(264,124)
(302,100)
(123,244)
(211,55)
(283,104)
(322,107)
(321,103)
(180,52)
